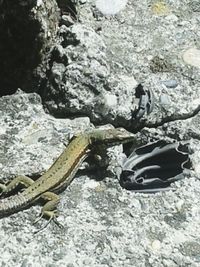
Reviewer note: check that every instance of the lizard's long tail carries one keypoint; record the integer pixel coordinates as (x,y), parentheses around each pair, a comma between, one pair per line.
(12,204)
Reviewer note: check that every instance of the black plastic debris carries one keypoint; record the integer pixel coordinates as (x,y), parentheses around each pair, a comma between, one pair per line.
(153,167)
(146,102)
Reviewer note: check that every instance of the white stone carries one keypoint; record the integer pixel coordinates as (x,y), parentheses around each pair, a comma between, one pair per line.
(91,184)
(110,100)
(156,245)
(192,57)
(179,205)
(172,17)
(39,2)
(110,7)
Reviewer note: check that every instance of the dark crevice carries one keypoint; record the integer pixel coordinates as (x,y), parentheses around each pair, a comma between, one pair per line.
(27,33)
(67,7)
(19,46)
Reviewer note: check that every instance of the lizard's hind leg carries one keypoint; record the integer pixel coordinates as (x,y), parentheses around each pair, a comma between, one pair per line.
(49,209)
(21,179)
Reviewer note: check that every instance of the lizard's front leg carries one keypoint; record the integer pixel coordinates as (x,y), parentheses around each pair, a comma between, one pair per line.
(21,179)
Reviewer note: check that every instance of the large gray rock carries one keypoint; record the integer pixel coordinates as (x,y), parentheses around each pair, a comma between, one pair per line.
(105,225)
(80,81)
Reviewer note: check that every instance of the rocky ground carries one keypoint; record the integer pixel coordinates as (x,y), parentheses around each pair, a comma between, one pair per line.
(96,65)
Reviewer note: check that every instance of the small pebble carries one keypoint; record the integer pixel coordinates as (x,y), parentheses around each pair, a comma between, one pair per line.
(179,205)
(110,100)
(164,100)
(172,17)
(170,83)
(156,245)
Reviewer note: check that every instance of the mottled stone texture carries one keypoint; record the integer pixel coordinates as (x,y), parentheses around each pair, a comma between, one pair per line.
(103,224)
(93,69)
(27,29)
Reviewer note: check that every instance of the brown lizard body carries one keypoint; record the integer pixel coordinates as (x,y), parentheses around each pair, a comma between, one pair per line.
(61,173)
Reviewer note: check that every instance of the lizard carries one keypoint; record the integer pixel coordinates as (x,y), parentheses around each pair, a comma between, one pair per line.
(60,174)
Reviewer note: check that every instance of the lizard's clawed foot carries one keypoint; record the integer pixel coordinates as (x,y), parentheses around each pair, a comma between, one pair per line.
(49,214)
(49,210)
(52,215)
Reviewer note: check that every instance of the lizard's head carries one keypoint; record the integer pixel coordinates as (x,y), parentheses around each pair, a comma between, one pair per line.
(112,137)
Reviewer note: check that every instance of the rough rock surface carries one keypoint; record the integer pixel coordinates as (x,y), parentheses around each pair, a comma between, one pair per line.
(80,81)
(105,225)
(26,129)
(98,63)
